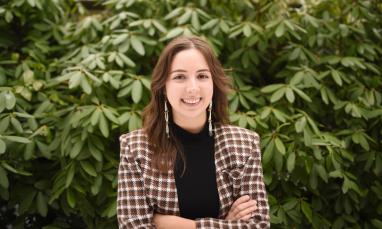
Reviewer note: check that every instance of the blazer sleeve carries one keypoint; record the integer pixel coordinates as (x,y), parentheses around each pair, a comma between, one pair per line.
(133,210)
(252,184)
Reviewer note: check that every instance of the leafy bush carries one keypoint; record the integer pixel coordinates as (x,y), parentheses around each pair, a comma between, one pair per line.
(74,75)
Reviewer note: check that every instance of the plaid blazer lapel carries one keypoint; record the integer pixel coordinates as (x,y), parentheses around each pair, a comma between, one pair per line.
(161,191)
(225,195)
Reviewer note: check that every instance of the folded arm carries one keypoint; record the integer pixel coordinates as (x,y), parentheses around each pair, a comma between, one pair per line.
(251,184)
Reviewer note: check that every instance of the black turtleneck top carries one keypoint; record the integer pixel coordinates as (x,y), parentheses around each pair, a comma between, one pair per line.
(197,190)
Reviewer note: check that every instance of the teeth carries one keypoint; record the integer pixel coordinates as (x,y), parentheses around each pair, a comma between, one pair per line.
(191,100)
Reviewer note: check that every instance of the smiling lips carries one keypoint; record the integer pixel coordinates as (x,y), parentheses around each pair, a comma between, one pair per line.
(191,101)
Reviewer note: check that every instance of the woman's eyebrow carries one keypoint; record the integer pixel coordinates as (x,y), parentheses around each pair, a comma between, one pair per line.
(178,70)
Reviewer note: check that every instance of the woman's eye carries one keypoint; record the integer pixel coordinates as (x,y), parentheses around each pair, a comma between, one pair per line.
(203,76)
(178,77)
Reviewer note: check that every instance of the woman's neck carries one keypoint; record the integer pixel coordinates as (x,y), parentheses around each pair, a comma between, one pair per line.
(191,125)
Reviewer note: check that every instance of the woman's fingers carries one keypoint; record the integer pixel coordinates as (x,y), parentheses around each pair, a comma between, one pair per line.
(239,201)
(244,208)
(247,213)
(246,217)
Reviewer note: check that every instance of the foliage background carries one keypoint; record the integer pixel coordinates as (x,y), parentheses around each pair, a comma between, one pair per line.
(74,75)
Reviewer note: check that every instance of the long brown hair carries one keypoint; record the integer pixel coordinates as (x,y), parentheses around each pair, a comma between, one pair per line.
(166,149)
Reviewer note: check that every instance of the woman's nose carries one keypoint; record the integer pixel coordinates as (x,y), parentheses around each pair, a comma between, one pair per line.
(192,86)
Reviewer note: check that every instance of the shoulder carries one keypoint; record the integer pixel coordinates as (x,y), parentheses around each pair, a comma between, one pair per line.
(225,131)
(135,143)
(135,135)
(235,145)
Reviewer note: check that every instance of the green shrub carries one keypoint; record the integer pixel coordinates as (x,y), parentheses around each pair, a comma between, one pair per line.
(74,75)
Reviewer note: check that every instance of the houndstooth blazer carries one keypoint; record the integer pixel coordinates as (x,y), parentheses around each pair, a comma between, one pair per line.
(143,191)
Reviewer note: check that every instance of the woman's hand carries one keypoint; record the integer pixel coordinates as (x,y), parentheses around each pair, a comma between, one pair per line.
(171,221)
(242,208)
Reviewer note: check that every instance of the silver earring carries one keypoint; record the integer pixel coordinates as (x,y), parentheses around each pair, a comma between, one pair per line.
(209,119)
(166,118)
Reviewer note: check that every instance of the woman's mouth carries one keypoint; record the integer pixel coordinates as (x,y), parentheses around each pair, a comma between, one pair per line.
(191,101)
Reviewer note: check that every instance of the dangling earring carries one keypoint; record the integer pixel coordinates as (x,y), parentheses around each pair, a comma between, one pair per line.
(166,118)
(209,119)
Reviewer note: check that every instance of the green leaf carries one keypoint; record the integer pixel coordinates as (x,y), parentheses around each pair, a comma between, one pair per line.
(146,83)
(26,201)
(291,162)
(10,100)
(306,210)
(268,152)
(96,153)
(280,30)
(77,147)
(336,76)
(126,60)
(95,188)
(137,45)
(4,123)
(75,79)
(3,146)
(210,24)
(195,20)
(297,78)
(290,204)
(88,168)
(307,136)
(302,94)
(17,139)
(185,17)
(300,124)
(242,121)
(2,100)
(71,199)
(244,102)
(277,95)
(3,178)
(17,125)
(377,223)
(42,204)
(111,210)
(159,26)
(336,174)
(271,88)
(278,161)
(234,104)
(104,126)
(173,13)
(70,175)
(279,115)
(86,86)
(94,119)
(289,94)
(174,33)
(280,145)
(136,91)
(14,170)
(109,114)
(313,178)
(247,30)
(322,172)
(295,54)
(120,38)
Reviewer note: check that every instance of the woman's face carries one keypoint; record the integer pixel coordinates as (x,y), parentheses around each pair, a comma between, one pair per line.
(189,87)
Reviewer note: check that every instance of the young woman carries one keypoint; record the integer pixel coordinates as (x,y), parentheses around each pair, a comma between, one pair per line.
(187,168)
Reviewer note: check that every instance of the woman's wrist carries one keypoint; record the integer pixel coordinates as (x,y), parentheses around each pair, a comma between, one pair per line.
(173,222)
